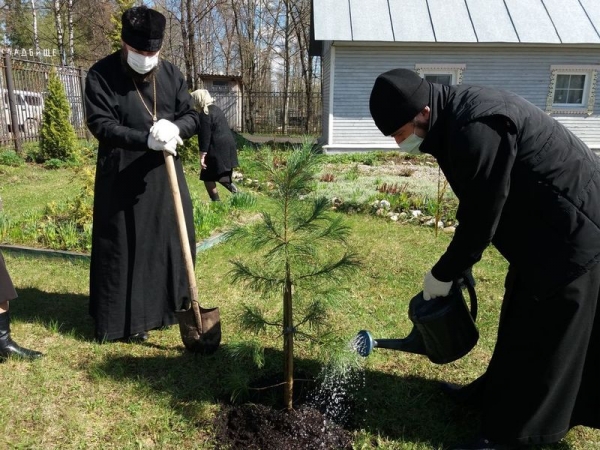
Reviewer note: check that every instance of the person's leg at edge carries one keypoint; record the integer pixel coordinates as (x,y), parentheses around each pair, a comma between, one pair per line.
(8,347)
(211,189)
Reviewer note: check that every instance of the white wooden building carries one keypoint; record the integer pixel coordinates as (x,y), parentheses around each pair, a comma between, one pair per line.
(547,51)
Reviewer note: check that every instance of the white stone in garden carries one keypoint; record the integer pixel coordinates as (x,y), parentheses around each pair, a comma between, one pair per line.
(416,213)
(394,217)
(431,223)
(384,204)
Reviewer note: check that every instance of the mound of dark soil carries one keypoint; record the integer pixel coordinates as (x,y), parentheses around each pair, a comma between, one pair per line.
(259,427)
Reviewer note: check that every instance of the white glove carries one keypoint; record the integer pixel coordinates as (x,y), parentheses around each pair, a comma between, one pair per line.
(170,146)
(432,287)
(164,130)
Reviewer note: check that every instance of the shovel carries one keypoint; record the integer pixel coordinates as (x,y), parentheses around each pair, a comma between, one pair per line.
(200,328)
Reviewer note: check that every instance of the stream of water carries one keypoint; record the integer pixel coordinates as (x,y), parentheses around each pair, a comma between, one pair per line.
(339,383)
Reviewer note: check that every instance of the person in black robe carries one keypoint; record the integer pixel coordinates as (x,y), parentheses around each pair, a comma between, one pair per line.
(137,106)
(218,150)
(529,186)
(8,347)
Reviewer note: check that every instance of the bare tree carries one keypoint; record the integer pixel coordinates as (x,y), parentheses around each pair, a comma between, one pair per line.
(256,32)
(172,48)
(217,41)
(223,32)
(300,16)
(36,38)
(60,34)
(286,65)
(188,14)
(71,32)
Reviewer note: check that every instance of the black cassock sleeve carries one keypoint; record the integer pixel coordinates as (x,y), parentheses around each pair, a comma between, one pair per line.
(205,132)
(102,117)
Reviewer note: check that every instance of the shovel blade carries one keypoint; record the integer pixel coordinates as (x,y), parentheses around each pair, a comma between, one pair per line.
(205,342)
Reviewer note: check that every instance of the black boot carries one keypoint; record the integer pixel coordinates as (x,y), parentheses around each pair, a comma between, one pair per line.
(214,196)
(230,187)
(8,347)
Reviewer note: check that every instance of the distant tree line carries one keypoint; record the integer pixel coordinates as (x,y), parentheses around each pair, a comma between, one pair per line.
(264,42)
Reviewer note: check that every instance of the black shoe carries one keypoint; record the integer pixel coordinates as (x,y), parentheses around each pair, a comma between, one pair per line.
(10,349)
(483,444)
(137,338)
(233,188)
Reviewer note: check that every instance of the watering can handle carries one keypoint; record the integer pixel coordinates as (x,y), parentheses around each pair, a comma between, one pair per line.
(468,281)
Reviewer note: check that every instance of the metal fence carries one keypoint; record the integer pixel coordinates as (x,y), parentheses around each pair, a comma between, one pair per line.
(265,112)
(24,88)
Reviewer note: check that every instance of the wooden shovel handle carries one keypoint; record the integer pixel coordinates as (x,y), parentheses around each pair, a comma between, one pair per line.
(183,237)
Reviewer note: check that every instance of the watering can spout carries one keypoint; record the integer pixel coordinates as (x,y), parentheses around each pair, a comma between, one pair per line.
(413,343)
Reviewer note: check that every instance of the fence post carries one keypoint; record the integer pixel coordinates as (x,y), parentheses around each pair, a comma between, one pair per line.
(12,104)
(88,134)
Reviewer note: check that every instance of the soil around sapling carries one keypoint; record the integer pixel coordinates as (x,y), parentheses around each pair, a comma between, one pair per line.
(261,427)
(264,424)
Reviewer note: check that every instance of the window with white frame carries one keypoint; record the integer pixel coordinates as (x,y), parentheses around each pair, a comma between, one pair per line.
(441,73)
(572,89)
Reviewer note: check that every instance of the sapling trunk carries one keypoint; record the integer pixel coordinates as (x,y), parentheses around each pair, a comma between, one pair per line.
(288,342)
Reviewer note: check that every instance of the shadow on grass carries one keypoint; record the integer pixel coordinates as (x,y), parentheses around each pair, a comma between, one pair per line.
(397,408)
(385,406)
(63,313)
(421,412)
(412,409)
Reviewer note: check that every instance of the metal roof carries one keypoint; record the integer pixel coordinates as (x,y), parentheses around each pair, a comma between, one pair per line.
(458,21)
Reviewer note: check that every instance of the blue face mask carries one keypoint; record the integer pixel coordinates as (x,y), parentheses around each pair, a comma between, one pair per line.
(411,144)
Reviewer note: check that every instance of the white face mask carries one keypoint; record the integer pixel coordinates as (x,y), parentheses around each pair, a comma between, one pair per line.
(411,144)
(140,63)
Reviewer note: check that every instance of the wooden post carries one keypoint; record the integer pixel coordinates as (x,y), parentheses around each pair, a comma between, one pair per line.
(12,104)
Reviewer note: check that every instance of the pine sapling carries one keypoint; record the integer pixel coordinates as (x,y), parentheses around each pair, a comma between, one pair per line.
(299,249)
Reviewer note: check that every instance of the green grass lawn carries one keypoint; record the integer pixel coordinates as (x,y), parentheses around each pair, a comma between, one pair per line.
(28,185)
(86,395)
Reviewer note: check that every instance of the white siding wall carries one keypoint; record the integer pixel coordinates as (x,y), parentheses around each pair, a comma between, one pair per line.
(522,70)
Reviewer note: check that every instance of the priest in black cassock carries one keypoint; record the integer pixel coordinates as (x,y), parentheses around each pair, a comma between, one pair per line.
(530,187)
(137,106)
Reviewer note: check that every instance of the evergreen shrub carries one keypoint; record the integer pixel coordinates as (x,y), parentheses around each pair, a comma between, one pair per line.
(57,136)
